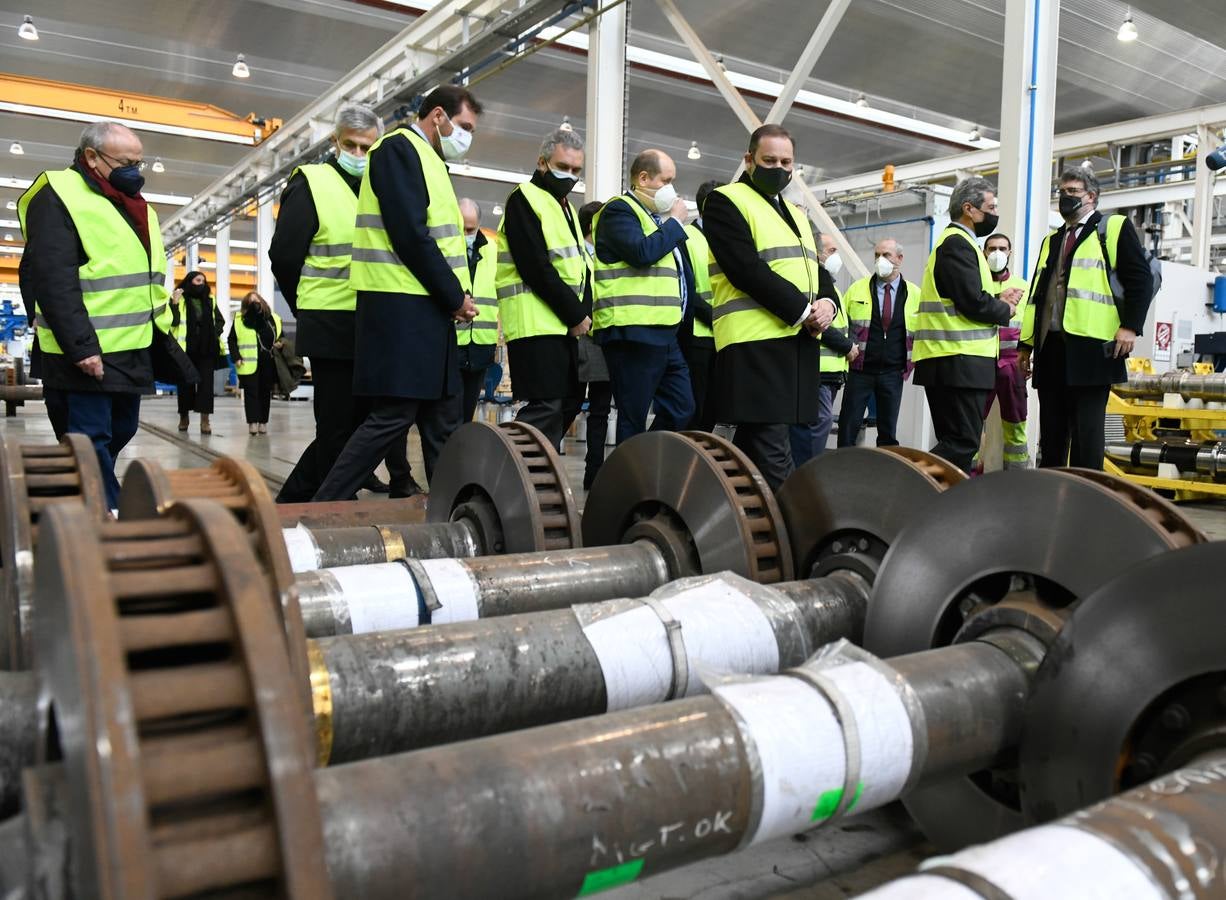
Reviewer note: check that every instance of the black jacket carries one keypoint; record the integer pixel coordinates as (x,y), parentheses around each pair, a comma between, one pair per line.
(48,274)
(476,357)
(405,345)
(771,381)
(1084,361)
(326,334)
(957,276)
(204,329)
(699,310)
(543,368)
(887,352)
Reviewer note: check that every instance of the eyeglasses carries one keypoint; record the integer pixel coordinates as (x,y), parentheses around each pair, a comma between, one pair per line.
(1071,192)
(123,163)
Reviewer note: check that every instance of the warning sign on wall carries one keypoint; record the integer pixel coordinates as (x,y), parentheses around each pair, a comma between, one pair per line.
(1162,341)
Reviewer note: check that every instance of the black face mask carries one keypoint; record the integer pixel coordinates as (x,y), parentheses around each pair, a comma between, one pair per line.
(770,180)
(559,187)
(197,291)
(1070,205)
(127,180)
(988,225)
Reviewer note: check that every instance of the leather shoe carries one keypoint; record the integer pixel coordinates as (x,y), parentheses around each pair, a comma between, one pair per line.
(374,485)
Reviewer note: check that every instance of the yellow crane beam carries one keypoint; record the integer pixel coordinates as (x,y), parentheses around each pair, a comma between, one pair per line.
(140,112)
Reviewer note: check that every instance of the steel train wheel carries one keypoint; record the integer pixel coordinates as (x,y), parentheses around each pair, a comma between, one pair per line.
(185,748)
(697,497)
(844,508)
(510,484)
(1013,548)
(34,478)
(1134,686)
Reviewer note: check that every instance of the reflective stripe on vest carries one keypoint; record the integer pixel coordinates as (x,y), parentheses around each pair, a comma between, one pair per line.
(625,295)
(248,342)
(831,360)
(1009,334)
(940,330)
(375,265)
(324,281)
(523,313)
(700,261)
(122,285)
(1089,307)
(739,318)
(483,330)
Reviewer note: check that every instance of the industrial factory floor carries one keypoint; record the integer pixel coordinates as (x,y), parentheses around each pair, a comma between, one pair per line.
(839,861)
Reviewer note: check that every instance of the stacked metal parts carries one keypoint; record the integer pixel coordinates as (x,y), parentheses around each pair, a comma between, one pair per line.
(479,707)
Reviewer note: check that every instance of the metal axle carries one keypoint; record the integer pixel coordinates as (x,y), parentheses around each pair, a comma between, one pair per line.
(1186,384)
(1204,459)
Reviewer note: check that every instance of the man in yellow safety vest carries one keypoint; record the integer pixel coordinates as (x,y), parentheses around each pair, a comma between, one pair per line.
(477,338)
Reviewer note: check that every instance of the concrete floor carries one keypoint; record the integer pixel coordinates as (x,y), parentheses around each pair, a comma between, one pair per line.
(833,863)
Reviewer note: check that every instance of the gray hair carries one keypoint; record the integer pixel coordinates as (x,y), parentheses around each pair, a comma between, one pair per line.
(357,117)
(473,203)
(1085,175)
(894,241)
(560,138)
(969,190)
(96,134)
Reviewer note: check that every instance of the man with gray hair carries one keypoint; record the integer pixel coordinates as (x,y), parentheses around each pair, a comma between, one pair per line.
(94,272)
(955,343)
(477,339)
(310,260)
(544,286)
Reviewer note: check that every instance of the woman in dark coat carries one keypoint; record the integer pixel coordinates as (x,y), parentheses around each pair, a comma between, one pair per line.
(197,324)
(254,337)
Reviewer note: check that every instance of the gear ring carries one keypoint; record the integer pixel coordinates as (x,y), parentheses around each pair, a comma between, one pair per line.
(844,508)
(149,490)
(1163,512)
(514,469)
(701,488)
(34,478)
(940,470)
(186,752)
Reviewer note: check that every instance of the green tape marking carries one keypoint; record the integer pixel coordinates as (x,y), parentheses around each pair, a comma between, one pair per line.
(829,801)
(614,876)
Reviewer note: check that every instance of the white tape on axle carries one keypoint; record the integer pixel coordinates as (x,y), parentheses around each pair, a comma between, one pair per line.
(722,630)
(1052,862)
(380,597)
(455,588)
(302,549)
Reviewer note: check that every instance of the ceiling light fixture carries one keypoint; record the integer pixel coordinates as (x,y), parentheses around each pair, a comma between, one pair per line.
(975,135)
(565,126)
(497,210)
(12,204)
(16,149)
(27,31)
(8,237)
(240,69)
(1087,163)
(694,153)
(862,101)
(157,165)
(1128,31)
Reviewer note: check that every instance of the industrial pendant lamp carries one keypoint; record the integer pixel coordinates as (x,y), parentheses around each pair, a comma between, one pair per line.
(27,31)
(862,101)
(16,149)
(1128,31)
(240,69)
(694,153)
(157,165)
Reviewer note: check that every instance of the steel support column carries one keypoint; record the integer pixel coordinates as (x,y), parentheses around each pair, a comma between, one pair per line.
(263,239)
(1202,204)
(222,287)
(606,103)
(193,256)
(808,59)
(1027,122)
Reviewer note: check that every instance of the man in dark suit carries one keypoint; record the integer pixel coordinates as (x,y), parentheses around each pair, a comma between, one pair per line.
(955,342)
(410,271)
(1082,325)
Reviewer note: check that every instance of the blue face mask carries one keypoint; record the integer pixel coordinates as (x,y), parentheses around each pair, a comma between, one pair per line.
(354,165)
(127,180)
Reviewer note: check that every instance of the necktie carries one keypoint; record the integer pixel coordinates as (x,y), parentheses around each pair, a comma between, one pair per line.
(1068,246)
(887,308)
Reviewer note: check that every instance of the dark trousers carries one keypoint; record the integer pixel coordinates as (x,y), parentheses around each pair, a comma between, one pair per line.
(957,419)
(551,417)
(808,441)
(701,361)
(886,388)
(109,420)
(768,448)
(647,376)
(257,392)
(196,398)
(382,432)
(599,401)
(474,381)
(337,416)
(1072,419)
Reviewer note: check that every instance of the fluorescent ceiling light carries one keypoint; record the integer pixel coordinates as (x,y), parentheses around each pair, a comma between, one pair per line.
(27,31)
(20,184)
(240,69)
(485,173)
(234,245)
(9,223)
(48,112)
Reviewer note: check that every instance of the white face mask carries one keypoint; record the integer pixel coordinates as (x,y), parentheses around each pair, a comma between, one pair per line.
(997,260)
(664,198)
(456,144)
(885,268)
(470,239)
(834,264)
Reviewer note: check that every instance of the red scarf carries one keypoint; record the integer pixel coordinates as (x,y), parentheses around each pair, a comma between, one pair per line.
(136,207)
